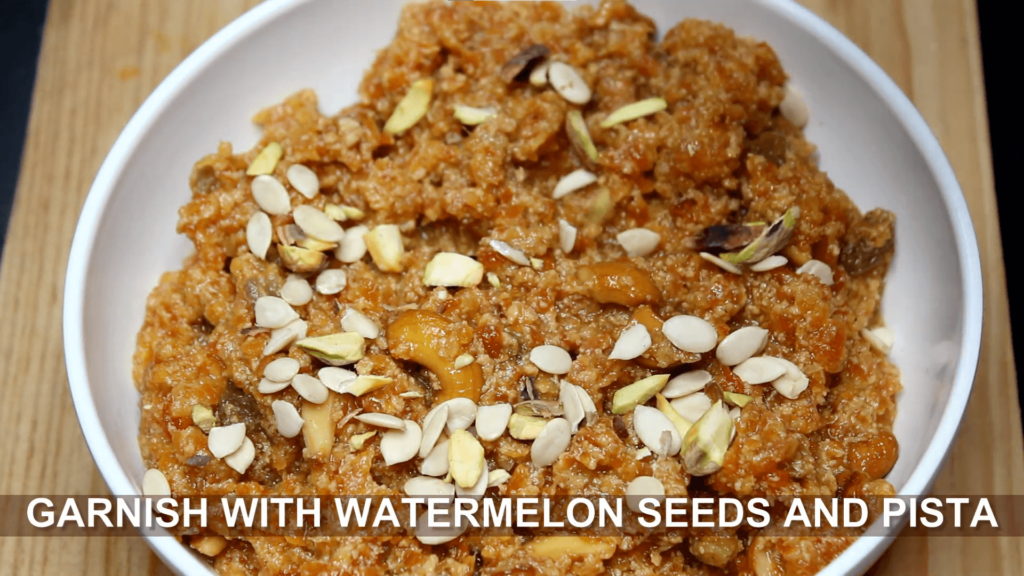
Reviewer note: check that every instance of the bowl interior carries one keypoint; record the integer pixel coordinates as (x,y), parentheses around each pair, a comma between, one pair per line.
(127,235)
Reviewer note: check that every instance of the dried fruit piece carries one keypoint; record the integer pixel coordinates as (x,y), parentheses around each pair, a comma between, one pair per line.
(258,234)
(579,135)
(706,442)
(385,245)
(521,65)
(656,431)
(397,446)
(465,458)
(471,116)
(413,106)
(629,397)
(568,83)
(634,111)
(266,160)
(638,241)
(552,441)
(573,181)
(335,349)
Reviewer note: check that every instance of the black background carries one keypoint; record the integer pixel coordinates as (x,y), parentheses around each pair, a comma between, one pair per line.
(21,26)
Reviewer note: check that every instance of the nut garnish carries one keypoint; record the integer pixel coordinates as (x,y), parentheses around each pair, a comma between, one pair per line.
(690,333)
(819,269)
(461,414)
(241,459)
(436,462)
(568,83)
(539,408)
(656,431)
(633,342)
(741,345)
(412,336)
(353,320)
(289,423)
(643,453)
(317,224)
(551,442)
(311,243)
(385,245)
(463,360)
(381,420)
(686,383)
(769,263)
(793,107)
(266,160)
(335,212)
(771,240)
(413,106)
(705,444)
(453,270)
(331,281)
(301,260)
(335,378)
(638,241)
(471,116)
(273,312)
(203,417)
(154,484)
(665,407)
(573,181)
(465,458)
(310,388)
(318,430)
(357,441)
(258,234)
(736,399)
(579,135)
(304,180)
(224,440)
(692,407)
(493,280)
(281,369)
(589,408)
(551,359)
(427,487)
(727,266)
(629,397)
(492,420)
(497,477)
(792,382)
(525,427)
(566,236)
(600,206)
(397,446)
(759,370)
(433,425)
(296,290)
(634,111)
(365,383)
(572,405)
(522,64)
(880,338)
(208,545)
(352,247)
(539,75)
(476,491)
(536,264)
(411,394)
(271,195)
(643,487)
(727,237)
(270,387)
(513,254)
(335,349)
(282,337)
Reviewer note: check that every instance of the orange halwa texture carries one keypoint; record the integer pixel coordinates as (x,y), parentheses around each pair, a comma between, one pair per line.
(449,188)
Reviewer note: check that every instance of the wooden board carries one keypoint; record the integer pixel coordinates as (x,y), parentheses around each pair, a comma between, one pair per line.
(101,58)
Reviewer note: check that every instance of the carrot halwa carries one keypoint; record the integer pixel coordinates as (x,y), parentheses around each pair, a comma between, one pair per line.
(545,253)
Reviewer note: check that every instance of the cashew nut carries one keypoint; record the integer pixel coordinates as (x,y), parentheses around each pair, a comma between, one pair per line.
(417,335)
(618,283)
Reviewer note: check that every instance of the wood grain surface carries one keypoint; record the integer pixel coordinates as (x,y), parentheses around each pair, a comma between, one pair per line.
(101,58)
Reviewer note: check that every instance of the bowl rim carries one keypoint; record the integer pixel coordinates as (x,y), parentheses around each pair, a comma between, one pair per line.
(850,561)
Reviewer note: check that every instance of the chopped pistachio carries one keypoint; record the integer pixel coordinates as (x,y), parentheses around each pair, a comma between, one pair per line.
(352,212)
(471,116)
(365,383)
(335,212)
(412,107)
(203,417)
(335,349)
(525,427)
(772,239)
(736,399)
(301,260)
(629,397)
(536,263)
(634,111)
(682,424)
(706,442)
(357,441)
(310,243)
(385,245)
(600,206)
(579,135)
(493,280)
(266,160)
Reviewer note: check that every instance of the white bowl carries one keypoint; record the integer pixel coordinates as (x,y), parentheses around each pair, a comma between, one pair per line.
(873,144)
